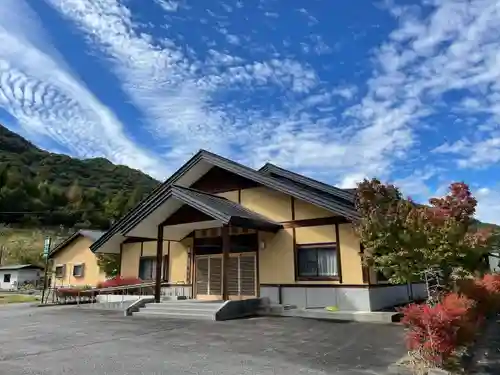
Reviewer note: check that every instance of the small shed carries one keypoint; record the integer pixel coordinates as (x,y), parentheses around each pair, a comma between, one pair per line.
(14,276)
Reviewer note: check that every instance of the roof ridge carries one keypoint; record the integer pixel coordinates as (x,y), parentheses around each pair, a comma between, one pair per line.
(270,167)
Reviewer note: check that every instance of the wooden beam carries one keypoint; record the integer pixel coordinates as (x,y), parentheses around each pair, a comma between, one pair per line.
(332,220)
(159,259)
(226,248)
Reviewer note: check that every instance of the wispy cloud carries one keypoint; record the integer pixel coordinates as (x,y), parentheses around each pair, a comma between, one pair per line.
(39,90)
(345,130)
(488,209)
(179,96)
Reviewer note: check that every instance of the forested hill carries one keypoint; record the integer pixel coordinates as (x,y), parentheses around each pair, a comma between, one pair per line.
(39,188)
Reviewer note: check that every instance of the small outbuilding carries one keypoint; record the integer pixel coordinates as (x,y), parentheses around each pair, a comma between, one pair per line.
(14,276)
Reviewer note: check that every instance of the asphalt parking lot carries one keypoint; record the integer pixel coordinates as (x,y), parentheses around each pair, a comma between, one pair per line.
(68,340)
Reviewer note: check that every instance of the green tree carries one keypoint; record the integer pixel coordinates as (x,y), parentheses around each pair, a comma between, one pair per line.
(404,240)
(109,263)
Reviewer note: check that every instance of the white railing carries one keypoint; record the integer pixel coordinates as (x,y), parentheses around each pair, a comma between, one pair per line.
(122,293)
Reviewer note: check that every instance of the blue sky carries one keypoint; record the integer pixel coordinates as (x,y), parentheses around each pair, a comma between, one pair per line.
(339,90)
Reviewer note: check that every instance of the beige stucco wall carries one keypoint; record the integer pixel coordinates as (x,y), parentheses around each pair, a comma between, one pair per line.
(304,210)
(131,254)
(230,195)
(77,252)
(319,234)
(179,261)
(276,260)
(272,204)
(352,271)
(277,263)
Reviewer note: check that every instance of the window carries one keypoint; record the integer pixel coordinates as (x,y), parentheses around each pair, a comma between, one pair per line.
(317,262)
(60,271)
(147,268)
(78,270)
(6,278)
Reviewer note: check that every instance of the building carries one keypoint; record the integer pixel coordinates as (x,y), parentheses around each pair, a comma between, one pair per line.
(73,263)
(14,276)
(225,231)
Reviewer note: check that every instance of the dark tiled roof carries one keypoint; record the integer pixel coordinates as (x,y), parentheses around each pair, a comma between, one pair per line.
(221,208)
(332,191)
(130,219)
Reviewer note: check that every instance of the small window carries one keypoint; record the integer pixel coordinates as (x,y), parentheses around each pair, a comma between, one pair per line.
(317,262)
(6,278)
(60,271)
(147,268)
(78,270)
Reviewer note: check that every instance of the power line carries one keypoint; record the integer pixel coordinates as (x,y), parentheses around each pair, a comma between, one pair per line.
(47,212)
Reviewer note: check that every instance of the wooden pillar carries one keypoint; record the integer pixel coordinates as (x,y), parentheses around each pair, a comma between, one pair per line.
(226,248)
(159,259)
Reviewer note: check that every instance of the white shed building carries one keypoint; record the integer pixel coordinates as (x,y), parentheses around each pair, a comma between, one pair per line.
(14,276)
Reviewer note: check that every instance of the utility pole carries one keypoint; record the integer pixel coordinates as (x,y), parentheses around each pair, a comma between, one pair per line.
(46,251)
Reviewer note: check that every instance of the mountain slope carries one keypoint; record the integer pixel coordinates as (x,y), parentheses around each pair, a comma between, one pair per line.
(42,188)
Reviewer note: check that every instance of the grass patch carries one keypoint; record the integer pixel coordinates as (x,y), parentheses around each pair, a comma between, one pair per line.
(16,298)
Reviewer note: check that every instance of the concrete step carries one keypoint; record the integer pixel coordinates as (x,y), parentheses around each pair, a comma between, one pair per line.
(179,310)
(212,307)
(173,315)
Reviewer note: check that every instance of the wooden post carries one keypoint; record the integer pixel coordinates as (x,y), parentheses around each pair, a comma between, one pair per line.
(159,258)
(226,248)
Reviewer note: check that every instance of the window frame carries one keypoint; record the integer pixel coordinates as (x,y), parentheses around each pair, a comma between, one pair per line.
(153,272)
(315,246)
(5,275)
(82,265)
(63,272)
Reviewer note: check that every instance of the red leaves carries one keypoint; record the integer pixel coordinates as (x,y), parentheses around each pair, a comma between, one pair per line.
(437,331)
(485,291)
(119,281)
(458,204)
(406,239)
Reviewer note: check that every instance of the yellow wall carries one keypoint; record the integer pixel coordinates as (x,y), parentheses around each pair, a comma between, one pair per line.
(352,271)
(131,254)
(272,204)
(277,264)
(276,260)
(304,210)
(77,252)
(230,195)
(179,261)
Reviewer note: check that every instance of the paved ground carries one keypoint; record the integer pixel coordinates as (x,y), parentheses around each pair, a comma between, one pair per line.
(487,356)
(68,340)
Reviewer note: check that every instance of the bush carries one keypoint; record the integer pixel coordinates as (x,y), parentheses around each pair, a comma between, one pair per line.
(436,332)
(484,291)
(75,292)
(119,281)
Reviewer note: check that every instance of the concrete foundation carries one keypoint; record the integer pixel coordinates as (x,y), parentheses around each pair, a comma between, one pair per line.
(372,298)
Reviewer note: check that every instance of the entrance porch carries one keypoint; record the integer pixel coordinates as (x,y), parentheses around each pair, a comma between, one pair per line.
(222,256)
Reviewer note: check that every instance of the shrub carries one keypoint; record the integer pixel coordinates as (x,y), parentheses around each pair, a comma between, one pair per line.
(74,292)
(436,332)
(484,291)
(119,281)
